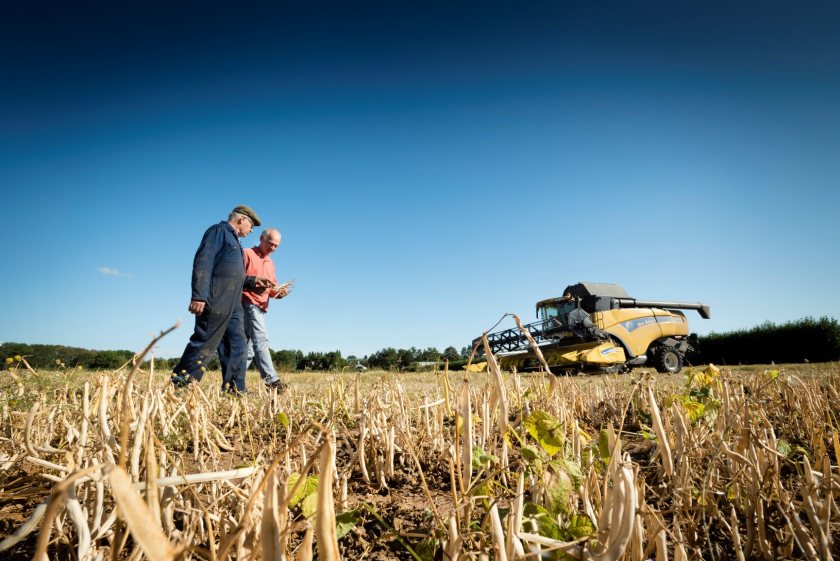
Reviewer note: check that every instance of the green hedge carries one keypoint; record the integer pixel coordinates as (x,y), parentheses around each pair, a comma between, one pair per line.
(804,340)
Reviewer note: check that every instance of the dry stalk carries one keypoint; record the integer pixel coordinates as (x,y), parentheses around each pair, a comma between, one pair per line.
(139,519)
(661,436)
(500,386)
(325,516)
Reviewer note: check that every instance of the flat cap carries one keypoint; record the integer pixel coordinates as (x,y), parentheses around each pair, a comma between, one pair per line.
(249,212)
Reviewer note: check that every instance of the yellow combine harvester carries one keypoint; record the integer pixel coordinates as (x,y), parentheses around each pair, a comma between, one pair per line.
(599,327)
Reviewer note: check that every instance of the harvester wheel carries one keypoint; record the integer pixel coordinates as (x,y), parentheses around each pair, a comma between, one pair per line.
(668,360)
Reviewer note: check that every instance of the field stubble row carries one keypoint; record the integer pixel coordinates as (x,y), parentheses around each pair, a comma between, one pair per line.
(735,463)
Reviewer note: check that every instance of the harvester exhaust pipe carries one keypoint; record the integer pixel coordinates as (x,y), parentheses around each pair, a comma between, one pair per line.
(702,309)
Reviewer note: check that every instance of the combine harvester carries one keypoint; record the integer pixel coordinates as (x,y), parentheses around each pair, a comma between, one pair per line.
(597,327)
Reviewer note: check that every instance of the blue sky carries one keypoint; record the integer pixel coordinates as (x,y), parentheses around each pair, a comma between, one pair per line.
(430,165)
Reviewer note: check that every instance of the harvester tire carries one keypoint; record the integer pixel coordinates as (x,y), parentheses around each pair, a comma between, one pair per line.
(667,360)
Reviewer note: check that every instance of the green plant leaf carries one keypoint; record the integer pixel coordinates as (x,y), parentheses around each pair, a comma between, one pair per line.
(308,487)
(529,453)
(694,410)
(731,493)
(604,446)
(309,505)
(546,430)
(484,492)
(784,447)
(545,522)
(282,419)
(345,522)
(570,467)
(426,549)
(580,526)
(481,459)
(558,490)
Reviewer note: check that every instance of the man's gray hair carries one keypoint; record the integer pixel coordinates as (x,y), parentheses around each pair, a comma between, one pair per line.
(234,215)
(267,231)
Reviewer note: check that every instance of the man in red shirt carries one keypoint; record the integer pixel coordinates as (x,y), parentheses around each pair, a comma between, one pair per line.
(255,304)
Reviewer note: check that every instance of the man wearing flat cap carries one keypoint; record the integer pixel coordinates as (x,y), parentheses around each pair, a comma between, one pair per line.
(217,281)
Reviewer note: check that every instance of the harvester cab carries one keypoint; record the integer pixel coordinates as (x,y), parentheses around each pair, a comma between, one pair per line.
(599,327)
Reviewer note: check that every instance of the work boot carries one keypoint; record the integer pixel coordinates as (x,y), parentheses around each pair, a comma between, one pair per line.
(181,381)
(235,392)
(277,384)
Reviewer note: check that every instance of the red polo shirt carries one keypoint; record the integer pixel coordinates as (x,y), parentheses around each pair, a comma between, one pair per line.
(257,264)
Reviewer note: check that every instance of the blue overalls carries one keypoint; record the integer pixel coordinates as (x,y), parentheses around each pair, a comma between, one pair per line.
(218,278)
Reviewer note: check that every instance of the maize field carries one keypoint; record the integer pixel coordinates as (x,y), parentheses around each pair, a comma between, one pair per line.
(715,463)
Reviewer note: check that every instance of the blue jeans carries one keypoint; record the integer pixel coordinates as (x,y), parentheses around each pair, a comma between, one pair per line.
(257,336)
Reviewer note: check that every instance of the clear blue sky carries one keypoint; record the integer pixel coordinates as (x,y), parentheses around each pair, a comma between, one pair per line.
(431,165)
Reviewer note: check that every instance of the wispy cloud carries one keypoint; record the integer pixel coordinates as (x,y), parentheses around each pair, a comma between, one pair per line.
(111,272)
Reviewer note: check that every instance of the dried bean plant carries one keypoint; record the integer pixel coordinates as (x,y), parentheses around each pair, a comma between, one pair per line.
(717,464)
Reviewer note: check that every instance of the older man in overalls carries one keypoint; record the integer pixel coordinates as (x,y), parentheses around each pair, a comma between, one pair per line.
(217,281)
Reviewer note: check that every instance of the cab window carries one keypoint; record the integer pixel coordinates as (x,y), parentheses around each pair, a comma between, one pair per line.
(558,309)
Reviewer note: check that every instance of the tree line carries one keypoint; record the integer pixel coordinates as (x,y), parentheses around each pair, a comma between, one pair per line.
(803,340)
(286,360)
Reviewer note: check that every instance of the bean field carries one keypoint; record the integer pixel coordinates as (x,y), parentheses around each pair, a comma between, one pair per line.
(712,463)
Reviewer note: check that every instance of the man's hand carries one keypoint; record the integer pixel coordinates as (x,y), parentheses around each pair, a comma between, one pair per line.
(263,282)
(281,290)
(197,307)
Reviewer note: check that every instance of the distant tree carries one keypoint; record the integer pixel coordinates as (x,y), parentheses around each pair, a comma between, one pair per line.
(429,354)
(109,360)
(451,353)
(286,360)
(164,364)
(405,357)
(386,359)
(335,361)
(323,361)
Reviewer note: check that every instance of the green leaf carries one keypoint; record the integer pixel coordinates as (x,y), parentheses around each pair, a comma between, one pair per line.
(694,410)
(558,491)
(309,505)
(308,487)
(570,467)
(783,447)
(647,434)
(529,453)
(545,522)
(772,374)
(604,445)
(426,549)
(345,522)
(546,430)
(484,491)
(481,459)
(580,526)
(282,419)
